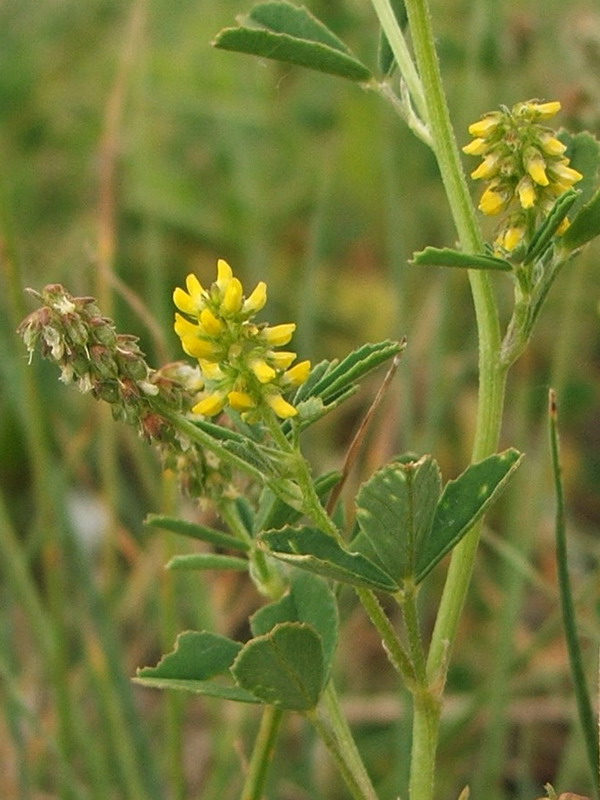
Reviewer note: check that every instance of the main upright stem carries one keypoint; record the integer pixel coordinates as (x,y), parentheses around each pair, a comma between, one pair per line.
(492,375)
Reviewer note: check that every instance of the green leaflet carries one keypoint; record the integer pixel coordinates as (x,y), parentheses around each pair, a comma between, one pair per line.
(462,503)
(395,510)
(311,549)
(293,35)
(447,257)
(284,667)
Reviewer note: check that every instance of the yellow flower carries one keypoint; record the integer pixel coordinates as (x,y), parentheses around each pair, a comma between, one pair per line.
(536,167)
(551,145)
(232,297)
(526,192)
(239,366)
(298,374)
(565,174)
(224,274)
(197,347)
(211,324)
(282,359)
(281,407)
(211,405)
(477,147)
(262,370)
(488,167)
(279,335)
(486,126)
(492,202)
(545,110)
(241,401)
(257,300)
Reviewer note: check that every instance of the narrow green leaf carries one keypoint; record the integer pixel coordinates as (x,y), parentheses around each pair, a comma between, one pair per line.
(353,367)
(545,233)
(313,550)
(585,226)
(463,501)
(309,600)
(196,531)
(447,257)
(207,561)
(295,37)
(198,655)
(395,511)
(284,667)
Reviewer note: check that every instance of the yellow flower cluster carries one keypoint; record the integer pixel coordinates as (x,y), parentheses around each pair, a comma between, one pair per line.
(524,166)
(239,366)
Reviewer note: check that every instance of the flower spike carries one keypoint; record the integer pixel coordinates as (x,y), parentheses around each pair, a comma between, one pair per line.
(524,166)
(239,366)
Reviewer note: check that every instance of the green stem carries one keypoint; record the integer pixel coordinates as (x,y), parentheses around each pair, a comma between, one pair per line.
(335,734)
(492,378)
(262,755)
(584,705)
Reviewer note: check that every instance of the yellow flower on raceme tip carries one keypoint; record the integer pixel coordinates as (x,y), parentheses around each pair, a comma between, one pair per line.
(524,166)
(239,363)
(232,297)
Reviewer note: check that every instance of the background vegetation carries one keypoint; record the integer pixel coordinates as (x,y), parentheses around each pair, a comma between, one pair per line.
(133,153)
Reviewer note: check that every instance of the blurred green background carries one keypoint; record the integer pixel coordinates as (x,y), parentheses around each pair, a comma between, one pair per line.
(133,153)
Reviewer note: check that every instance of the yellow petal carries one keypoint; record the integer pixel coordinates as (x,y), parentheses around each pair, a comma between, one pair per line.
(546,110)
(279,335)
(492,202)
(282,359)
(184,302)
(526,192)
(565,174)
(240,401)
(513,237)
(477,147)
(487,169)
(232,298)
(486,126)
(194,287)
(198,348)
(281,407)
(210,405)
(183,327)
(552,146)
(257,299)
(211,324)
(298,375)
(262,370)
(210,370)
(536,167)
(224,274)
